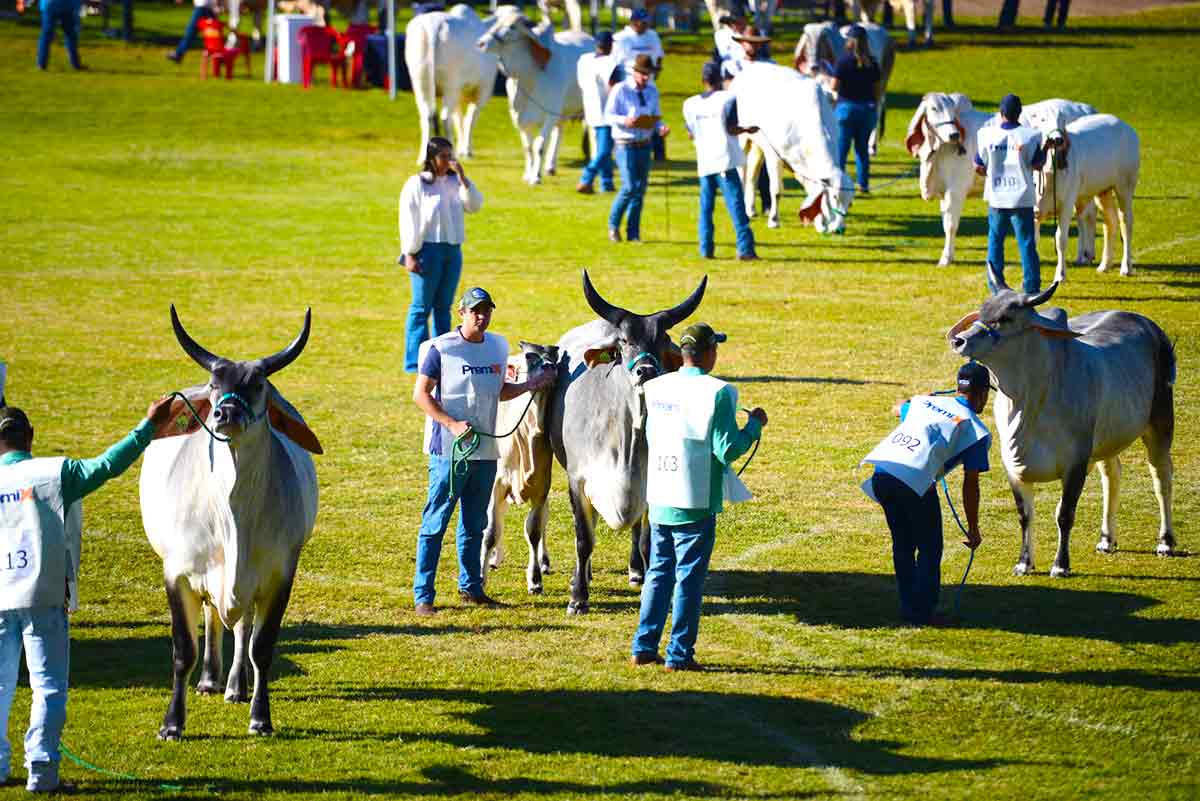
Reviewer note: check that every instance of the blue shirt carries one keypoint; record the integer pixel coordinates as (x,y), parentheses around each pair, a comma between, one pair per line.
(855,83)
(626,100)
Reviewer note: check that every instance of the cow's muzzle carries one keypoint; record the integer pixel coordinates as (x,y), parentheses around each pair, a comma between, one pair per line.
(232,413)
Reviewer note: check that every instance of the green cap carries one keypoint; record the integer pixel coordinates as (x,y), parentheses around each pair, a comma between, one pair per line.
(700,337)
(474,296)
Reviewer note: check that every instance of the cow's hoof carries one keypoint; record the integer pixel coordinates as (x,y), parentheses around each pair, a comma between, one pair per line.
(535,589)
(1059,572)
(552,171)
(1060,276)
(546,567)
(1126,271)
(263,728)
(943,262)
(237,697)
(207,687)
(1106,545)
(577,608)
(171,733)
(636,579)
(1103,268)
(1022,569)
(1164,550)
(772,223)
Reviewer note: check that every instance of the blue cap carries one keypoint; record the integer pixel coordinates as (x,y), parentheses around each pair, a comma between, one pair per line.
(604,40)
(639,15)
(711,74)
(1010,108)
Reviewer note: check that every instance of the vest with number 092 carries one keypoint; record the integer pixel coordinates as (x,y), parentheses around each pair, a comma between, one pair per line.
(679,415)
(935,430)
(39,539)
(469,388)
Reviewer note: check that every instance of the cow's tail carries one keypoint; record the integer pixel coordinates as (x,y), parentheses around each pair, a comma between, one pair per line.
(1162,408)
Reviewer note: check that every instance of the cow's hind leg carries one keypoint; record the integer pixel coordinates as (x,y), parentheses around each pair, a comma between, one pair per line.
(1158,451)
(1023,496)
(237,688)
(639,551)
(1109,207)
(1072,485)
(492,555)
(535,536)
(185,613)
(585,519)
(268,618)
(210,668)
(1110,484)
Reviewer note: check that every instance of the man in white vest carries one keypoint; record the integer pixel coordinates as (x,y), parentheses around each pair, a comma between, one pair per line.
(40,528)
(460,383)
(693,437)
(1008,155)
(935,435)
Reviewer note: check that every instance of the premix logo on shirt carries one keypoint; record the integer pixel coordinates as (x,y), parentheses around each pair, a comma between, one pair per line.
(16,497)
(486,369)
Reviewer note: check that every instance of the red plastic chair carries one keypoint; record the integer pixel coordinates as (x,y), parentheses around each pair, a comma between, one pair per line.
(358,35)
(318,45)
(212,34)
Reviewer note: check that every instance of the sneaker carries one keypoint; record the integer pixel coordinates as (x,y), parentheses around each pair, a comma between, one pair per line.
(173,56)
(747,257)
(643,659)
(689,666)
(424,610)
(585,189)
(480,599)
(614,235)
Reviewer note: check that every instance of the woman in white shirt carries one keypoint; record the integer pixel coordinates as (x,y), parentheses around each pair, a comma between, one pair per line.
(431,236)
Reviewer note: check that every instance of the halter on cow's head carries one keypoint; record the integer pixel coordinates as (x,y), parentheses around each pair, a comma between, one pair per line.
(1045,180)
(509,31)
(238,398)
(1005,316)
(642,339)
(936,125)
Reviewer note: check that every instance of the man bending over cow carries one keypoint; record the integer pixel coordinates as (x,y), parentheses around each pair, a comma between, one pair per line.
(935,435)
(460,384)
(41,525)
(693,437)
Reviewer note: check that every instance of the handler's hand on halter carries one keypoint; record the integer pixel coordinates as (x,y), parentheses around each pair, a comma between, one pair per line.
(974,538)
(159,412)
(459,428)
(759,414)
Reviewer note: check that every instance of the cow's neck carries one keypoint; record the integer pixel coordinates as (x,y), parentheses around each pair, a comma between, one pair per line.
(1026,373)
(251,466)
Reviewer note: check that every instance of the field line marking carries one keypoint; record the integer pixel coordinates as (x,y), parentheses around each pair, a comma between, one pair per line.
(1181,240)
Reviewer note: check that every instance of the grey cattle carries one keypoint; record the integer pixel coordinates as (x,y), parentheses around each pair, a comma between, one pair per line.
(1072,393)
(597,430)
(228,520)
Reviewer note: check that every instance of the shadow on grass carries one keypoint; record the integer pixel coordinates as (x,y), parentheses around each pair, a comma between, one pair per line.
(802,379)
(869,600)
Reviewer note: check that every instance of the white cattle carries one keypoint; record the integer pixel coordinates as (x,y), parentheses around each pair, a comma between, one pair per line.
(1096,156)
(865,10)
(523,466)
(795,122)
(542,88)
(822,44)
(442,59)
(228,515)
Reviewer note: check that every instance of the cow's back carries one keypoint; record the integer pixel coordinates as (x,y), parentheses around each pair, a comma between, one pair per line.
(1104,153)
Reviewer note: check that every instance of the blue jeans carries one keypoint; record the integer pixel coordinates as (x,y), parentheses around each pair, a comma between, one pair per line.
(855,122)
(54,14)
(432,292)
(472,492)
(189,32)
(731,188)
(679,557)
(602,161)
(43,632)
(916,525)
(634,164)
(1008,13)
(1023,225)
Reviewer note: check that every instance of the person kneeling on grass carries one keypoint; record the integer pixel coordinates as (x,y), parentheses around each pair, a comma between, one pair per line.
(693,437)
(935,435)
(40,525)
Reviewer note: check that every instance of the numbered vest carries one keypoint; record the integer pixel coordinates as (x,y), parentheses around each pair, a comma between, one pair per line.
(679,413)
(936,430)
(36,558)
(469,389)
(1009,158)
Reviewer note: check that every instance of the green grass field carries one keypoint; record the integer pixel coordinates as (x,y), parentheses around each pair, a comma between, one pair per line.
(137,185)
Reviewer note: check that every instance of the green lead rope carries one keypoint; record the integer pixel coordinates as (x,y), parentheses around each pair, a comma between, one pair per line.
(129,777)
(466,443)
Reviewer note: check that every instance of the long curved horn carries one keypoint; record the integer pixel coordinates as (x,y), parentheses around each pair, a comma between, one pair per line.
(273,364)
(603,309)
(1037,300)
(678,314)
(192,348)
(997,278)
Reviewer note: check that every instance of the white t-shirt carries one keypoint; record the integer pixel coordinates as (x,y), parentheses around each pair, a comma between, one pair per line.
(433,211)
(628,45)
(716,150)
(594,71)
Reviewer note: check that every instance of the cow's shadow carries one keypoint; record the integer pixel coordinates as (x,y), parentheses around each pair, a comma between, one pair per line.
(856,600)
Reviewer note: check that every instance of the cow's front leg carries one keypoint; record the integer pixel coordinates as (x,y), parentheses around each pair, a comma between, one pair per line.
(527,145)
(584,515)
(1085,224)
(1023,497)
(555,134)
(268,619)
(1110,484)
(1061,234)
(952,209)
(1072,487)
(237,688)
(185,612)
(491,554)
(639,551)
(535,536)
(775,182)
(210,668)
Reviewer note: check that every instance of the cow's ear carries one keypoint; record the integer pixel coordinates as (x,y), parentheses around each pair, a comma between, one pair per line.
(182,421)
(293,428)
(597,356)
(962,325)
(916,131)
(672,358)
(1055,333)
(511,373)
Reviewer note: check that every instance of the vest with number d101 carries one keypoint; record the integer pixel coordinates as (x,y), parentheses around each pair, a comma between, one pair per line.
(935,430)
(469,389)
(1008,154)
(38,538)
(679,414)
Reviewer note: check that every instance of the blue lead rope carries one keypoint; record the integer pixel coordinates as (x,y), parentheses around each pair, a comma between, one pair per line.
(970,559)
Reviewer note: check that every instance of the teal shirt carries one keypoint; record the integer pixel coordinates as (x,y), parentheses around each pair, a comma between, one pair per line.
(728,443)
(81,477)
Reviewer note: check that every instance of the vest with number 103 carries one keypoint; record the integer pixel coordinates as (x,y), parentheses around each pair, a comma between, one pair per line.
(39,540)
(469,389)
(679,415)
(934,432)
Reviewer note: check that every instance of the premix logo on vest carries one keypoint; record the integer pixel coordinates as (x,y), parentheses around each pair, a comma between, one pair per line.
(487,369)
(16,497)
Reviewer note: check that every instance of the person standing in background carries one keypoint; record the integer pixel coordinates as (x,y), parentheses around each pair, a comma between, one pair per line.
(1062,6)
(64,14)
(202,9)
(634,113)
(856,81)
(597,73)
(638,39)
